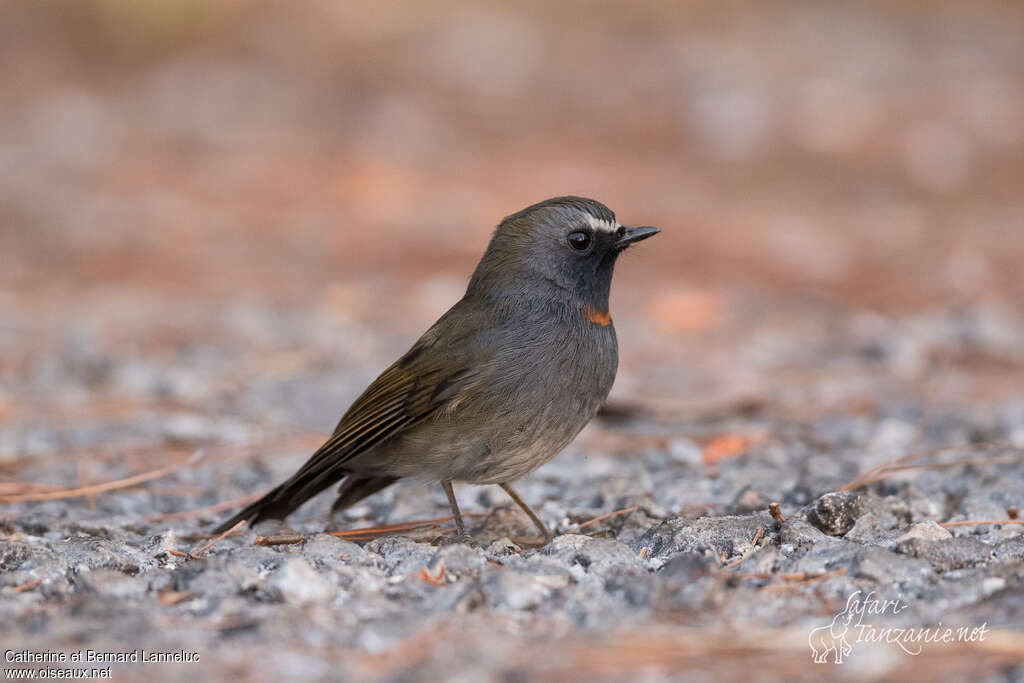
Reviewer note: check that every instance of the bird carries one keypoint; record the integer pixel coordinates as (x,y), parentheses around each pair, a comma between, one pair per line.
(499,385)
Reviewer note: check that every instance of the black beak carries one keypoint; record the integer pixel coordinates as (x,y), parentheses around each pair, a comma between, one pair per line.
(635,235)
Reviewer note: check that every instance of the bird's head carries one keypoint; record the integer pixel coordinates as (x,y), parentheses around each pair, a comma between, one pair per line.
(562,247)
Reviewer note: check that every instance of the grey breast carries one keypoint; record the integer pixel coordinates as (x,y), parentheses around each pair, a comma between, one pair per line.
(545,379)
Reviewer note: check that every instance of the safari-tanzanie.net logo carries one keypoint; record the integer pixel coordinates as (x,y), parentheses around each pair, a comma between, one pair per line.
(858,623)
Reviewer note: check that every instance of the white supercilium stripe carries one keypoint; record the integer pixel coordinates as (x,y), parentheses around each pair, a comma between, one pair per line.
(602,225)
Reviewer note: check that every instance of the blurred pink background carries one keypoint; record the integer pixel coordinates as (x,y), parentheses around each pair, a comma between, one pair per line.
(162,160)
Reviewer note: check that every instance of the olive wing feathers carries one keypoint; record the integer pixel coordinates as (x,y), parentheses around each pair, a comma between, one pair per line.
(430,378)
(408,392)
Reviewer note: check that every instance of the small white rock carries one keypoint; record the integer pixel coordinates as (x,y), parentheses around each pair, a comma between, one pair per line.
(926,531)
(299,583)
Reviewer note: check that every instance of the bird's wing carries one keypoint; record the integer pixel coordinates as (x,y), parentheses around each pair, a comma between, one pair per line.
(419,384)
(433,376)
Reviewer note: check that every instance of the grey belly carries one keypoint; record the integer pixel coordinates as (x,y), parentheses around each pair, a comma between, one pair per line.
(488,451)
(507,428)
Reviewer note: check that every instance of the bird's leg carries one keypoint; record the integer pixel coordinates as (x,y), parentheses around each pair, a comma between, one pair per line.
(459,526)
(529,512)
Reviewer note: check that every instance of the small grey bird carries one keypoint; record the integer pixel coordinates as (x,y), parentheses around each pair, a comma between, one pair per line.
(499,385)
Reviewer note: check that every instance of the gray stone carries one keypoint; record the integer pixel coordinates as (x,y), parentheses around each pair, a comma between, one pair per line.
(926,531)
(836,513)
(300,584)
(725,536)
(947,554)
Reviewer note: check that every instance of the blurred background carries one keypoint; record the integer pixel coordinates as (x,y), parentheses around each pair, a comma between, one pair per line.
(201,199)
(220,220)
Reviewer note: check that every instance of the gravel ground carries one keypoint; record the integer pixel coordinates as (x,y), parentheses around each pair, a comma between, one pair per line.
(667,561)
(219,221)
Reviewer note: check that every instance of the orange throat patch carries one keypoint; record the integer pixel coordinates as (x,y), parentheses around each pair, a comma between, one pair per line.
(597,317)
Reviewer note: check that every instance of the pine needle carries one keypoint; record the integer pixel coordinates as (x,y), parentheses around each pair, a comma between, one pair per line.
(127,482)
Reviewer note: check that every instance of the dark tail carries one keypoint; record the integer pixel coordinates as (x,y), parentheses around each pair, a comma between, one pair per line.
(354,489)
(277,504)
(286,498)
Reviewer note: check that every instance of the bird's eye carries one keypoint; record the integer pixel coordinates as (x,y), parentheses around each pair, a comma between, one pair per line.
(621,232)
(579,240)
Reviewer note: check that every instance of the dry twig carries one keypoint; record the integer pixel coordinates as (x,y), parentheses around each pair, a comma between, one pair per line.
(204,537)
(101,488)
(11,488)
(980,522)
(199,551)
(607,515)
(791,578)
(281,539)
(209,509)
(369,533)
(737,562)
(879,472)
(743,556)
(27,586)
(172,597)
